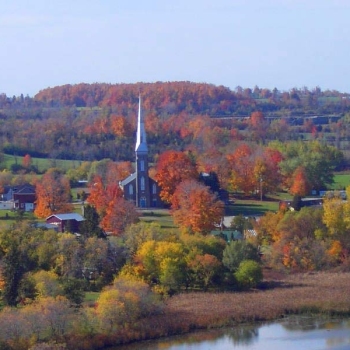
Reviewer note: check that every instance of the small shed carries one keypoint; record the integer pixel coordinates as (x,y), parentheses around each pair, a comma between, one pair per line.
(66,222)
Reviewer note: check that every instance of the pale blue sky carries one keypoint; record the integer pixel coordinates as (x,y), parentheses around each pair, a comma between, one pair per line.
(270,43)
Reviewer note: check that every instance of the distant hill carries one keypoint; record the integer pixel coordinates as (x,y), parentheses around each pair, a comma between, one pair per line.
(200,98)
(96,121)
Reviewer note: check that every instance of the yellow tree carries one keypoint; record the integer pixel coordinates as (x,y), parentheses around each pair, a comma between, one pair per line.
(334,215)
(53,194)
(126,301)
(161,262)
(267,227)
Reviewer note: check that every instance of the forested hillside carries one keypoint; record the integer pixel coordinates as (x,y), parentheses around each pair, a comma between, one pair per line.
(96,121)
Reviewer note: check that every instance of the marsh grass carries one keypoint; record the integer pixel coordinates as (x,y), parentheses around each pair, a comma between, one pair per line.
(319,293)
(322,294)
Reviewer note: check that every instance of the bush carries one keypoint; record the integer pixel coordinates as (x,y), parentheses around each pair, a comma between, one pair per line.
(124,303)
(249,274)
(73,290)
(236,252)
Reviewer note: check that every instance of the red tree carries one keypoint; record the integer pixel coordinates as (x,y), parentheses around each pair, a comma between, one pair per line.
(173,167)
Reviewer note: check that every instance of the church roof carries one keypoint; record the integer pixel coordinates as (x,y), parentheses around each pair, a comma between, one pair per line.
(128,179)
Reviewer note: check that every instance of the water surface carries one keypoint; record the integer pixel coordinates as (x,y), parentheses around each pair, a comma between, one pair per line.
(292,333)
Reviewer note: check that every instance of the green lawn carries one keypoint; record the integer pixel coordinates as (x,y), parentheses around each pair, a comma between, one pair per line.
(41,163)
(161,216)
(341,181)
(9,217)
(248,207)
(91,297)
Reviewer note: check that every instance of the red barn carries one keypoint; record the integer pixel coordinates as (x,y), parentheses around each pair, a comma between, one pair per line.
(66,222)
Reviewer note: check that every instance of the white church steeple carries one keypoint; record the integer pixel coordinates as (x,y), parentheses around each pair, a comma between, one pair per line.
(141,142)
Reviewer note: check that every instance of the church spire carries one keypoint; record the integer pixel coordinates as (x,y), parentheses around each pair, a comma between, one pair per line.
(141,143)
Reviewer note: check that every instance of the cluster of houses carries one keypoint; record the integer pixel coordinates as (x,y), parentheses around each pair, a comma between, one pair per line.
(20,197)
(23,197)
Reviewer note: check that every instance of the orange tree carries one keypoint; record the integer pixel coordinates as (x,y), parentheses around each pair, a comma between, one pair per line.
(195,209)
(173,167)
(101,194)
(53,194)
(120,213)
(115,212)
(300,185)
(241,163)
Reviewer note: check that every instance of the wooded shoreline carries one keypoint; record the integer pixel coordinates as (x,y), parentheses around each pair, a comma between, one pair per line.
(324,293)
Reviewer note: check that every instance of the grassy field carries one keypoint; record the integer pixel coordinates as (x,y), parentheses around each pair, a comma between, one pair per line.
(250,207)
(341,181)
(42,164)
(9,217)
(160,216)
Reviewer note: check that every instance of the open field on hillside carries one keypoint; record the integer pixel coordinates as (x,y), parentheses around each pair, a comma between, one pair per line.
(42,164)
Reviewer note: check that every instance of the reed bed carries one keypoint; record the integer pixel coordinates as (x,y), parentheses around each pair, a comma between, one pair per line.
(312,293)
(318,293)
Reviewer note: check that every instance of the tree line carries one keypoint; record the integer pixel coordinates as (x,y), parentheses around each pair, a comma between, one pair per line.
(179,115)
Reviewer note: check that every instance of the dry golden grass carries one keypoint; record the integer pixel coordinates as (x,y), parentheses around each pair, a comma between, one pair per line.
(326,293)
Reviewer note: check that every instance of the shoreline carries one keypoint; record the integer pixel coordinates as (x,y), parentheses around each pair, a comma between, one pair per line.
(321,293)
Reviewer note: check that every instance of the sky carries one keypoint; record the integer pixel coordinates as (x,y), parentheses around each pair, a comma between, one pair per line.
(271,43)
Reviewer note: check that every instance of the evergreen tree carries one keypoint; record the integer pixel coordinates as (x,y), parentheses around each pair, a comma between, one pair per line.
(91,226)
(296,203)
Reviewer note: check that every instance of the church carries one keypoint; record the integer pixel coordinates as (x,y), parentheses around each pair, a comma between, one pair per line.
(139,187)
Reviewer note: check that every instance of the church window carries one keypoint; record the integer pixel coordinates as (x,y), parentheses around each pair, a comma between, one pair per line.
(142,183)
(142,165)
(131,189)
(154,189)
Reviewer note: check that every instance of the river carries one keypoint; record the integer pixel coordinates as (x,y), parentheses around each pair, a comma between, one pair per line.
(292,333)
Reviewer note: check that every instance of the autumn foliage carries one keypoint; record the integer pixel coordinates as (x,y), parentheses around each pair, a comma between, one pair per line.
(53,194)
(300,185)
(116,212)
(173,167)
(195,209)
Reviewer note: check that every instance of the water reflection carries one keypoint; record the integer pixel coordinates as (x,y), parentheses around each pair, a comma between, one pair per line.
(292,333)
(243,335)
(307,323)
